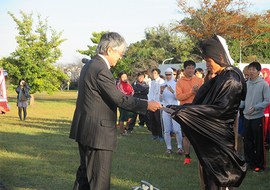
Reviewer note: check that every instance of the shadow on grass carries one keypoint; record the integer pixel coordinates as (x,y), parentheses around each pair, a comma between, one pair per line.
(48,99)
(39,156)
(66,101)
(138,158)
(41,123)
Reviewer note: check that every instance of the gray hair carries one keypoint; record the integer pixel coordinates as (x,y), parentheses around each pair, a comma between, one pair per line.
(110,39)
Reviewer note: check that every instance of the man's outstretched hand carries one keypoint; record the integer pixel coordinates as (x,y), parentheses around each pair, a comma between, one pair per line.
(153,105)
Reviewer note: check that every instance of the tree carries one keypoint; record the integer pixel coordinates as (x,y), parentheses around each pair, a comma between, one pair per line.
(212,17)
(123,65)
(34,56)
(91,52)
(227,18)
(159,44)
(259,50)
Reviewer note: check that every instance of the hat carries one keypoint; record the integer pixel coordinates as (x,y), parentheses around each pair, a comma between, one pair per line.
(217,49)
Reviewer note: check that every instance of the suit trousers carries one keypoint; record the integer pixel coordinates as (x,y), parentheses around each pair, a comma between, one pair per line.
(254,143)
(155,123)
(95,169)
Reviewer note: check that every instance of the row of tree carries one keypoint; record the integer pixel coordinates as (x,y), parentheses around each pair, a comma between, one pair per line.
(246,33)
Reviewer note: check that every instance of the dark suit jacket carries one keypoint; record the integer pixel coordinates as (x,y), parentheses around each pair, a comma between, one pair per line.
(94,121)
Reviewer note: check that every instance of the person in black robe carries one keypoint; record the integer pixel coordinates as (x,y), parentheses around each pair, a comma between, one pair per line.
(208,121)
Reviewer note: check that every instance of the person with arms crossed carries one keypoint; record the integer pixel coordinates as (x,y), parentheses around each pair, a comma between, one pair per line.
(94,122)
(186,89)
(141,90)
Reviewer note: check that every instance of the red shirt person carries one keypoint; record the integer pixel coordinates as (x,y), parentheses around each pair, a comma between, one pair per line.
(266,76)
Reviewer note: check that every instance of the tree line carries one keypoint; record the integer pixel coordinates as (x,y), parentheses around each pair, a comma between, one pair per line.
(247,35)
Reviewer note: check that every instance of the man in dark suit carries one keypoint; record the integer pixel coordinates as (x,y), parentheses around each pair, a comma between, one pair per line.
(94,121)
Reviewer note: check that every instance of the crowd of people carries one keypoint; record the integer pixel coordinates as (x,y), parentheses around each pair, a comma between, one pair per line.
(220,111)
(179,87)
(203,110)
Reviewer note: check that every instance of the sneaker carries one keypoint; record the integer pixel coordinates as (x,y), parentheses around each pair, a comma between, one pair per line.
(161,139)
(179,151)
(153,137)
(124,134)
(172,135)
(169,151)
(187,161)
(258,171)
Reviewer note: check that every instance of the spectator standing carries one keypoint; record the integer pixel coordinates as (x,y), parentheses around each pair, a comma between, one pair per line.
(186,89)
(209,75)
(154,96)
(126,89)
(147,79)
(199,73)
(266,76)
(148,82)
(241,119)
(174,73)
(179,74)
(161,76)
(141,90)
(168,97)
(23,95)
(175,79)
(257,99)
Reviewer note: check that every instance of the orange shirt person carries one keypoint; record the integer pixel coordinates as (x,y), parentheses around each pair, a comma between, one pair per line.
(188,85)
(186,88)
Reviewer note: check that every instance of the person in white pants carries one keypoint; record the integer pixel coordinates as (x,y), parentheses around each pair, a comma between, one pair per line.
(168,96)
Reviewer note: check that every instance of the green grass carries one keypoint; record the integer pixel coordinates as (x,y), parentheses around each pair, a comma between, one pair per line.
(37,153)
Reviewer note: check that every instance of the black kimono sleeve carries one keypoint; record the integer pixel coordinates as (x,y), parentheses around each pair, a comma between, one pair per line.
(208,124)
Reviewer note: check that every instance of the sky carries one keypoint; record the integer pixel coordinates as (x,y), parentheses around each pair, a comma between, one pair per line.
(78,19)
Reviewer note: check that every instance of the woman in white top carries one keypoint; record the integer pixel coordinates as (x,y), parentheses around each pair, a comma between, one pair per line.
(168,96)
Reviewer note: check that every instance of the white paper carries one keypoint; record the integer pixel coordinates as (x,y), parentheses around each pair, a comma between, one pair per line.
(168,110)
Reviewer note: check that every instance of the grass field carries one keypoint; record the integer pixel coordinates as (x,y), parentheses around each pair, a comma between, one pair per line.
(37,153)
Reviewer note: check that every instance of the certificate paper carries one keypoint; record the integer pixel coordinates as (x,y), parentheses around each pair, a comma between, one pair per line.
(168,110)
